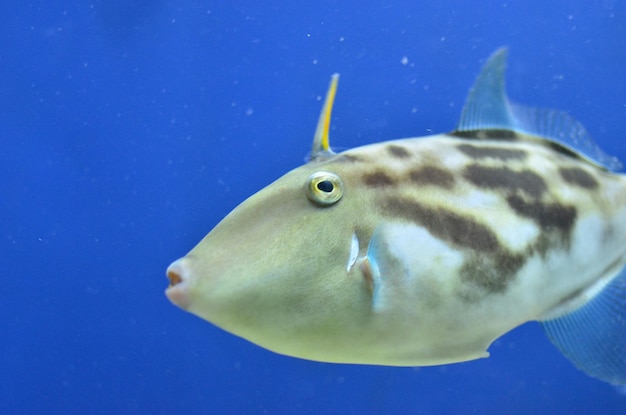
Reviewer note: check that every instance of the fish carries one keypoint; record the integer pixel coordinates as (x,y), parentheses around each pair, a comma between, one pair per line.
(423,251)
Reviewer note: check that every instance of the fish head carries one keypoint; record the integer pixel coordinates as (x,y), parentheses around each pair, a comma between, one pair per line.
(282,269)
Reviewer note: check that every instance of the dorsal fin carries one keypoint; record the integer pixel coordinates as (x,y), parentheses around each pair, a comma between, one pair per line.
(488,108)
(321,143)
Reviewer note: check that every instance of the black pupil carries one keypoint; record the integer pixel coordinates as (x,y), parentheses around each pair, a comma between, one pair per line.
(326,186)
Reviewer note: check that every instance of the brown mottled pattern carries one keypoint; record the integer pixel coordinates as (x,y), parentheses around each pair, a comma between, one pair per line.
(502,153)
(504,178)
(431,175)
(549,216)
(444,224)
(348,158)
(378,179)
(489,266)
(490,273)
(561,149)
(398,151)
(579,177)
(496,134)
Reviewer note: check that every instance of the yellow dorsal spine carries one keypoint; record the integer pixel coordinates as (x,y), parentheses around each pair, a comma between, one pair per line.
(321,143)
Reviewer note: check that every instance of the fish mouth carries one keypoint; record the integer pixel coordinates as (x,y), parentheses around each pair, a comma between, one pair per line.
(174,277)
(178,275)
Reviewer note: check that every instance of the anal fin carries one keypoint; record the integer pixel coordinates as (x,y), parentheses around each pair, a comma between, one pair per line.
(593,336)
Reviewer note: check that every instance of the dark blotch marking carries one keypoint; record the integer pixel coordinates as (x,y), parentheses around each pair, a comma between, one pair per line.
(481,152)
(505,178)
(489,267)
(430,175)
(491,274)
(579,177)
(378,179)
(348,158)
(561,149)
(398,151)
(495,134)
(446,225)
(549,216)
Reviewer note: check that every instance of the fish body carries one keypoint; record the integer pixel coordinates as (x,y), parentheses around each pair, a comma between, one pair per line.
(423,251)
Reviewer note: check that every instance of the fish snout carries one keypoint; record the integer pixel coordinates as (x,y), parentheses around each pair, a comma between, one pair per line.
(178,291)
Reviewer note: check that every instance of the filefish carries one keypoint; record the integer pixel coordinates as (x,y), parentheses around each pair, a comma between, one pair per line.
(423,251)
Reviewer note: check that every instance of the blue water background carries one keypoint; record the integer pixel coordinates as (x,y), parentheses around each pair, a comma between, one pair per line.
(129,128)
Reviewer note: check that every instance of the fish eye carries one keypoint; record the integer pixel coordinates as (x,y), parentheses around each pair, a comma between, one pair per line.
(324,188)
